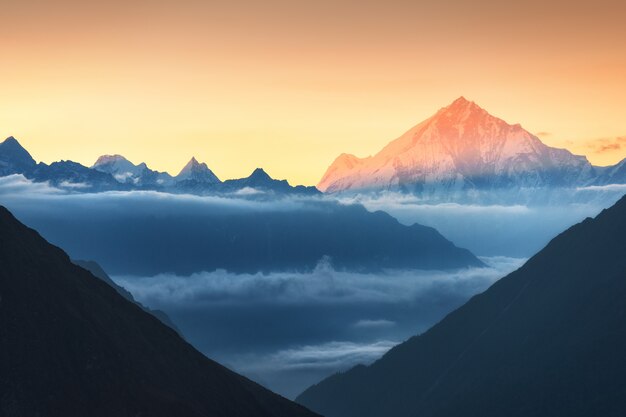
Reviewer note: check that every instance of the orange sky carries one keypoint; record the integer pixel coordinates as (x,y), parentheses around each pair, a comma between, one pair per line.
(289,86)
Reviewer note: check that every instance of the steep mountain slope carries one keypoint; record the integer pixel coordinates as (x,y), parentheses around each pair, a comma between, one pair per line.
(613,174)
(98,272)
(547,340)
(198,172)
(460,147)
(72,346)
(14,159)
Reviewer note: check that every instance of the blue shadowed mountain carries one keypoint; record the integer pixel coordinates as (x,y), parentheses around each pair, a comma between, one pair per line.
(74,176)
(138,176)
(115,172)
(14,159)
(142,235)
(259,180)
(546,340)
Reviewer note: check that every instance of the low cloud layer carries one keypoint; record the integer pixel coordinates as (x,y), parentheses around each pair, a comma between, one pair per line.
(19,186)
(289,330)
(323,285)
(609,187)
(366,323)
(332,356)
(497,229)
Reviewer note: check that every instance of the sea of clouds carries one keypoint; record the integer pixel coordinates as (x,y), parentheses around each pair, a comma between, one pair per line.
(288,330)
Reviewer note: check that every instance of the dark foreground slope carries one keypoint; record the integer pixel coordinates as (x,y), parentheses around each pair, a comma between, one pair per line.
(547,340)
(72,346)
(98,272)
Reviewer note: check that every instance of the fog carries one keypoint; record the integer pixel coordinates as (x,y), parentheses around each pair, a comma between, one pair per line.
(517,230)
(289,330)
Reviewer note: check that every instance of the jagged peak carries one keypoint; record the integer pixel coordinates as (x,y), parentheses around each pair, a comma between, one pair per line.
(461,107)
(259,173)
(107,159)
(10,139)
(12,149)
(348,160)
(11,142)
(197,171)
(194,165)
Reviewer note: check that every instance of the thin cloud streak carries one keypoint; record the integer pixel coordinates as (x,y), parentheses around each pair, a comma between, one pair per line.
(331,355)
(323,285)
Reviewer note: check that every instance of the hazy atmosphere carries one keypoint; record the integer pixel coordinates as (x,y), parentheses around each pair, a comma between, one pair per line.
(289,86)
(326,209)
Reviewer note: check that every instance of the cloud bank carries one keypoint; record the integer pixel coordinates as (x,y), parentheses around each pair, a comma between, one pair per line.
(289,330)
(323,285)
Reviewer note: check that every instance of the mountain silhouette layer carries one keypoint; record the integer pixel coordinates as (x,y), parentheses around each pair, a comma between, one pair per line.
(148,238)
(116,173)
(72,346)
(546,340)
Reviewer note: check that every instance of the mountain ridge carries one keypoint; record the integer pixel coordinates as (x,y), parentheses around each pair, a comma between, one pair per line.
(460,147)
(544,340)
(117,173)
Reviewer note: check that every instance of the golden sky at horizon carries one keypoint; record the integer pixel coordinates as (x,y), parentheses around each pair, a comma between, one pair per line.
(289,86)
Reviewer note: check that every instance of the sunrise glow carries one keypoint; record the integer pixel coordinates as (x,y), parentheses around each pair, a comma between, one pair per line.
(289,86)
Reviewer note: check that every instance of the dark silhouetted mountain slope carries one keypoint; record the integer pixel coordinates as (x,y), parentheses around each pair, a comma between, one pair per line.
(547,340)
(72,346)
(98,272)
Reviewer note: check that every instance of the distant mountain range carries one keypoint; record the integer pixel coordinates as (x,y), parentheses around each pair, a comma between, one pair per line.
(462,147)
(114,172)
(73,346)
(546,340)
(152,236)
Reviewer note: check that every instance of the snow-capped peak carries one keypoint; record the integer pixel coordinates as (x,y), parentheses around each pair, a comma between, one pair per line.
(109,159)
(461,146)
(126,172)
(197,171)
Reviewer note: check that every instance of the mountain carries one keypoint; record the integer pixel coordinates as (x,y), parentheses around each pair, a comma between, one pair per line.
(613,174)
(125,171)
(72,346)
(198,172)
(74,176)
(461,147)
(114,172)
(153,235)
(14,159)
(546,340)
(259,180)
(97,271)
